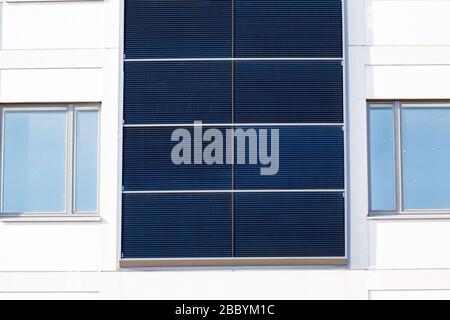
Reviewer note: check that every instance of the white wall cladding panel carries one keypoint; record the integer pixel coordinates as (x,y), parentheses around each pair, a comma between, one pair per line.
(355,17)
(63,52)
(50,247)
(410,295)
(51,25)
(408,22)
(398,49)
(50,85)
(408,55)
(52,59)
(408,82)
(409,244)
(49,295)
(403,54)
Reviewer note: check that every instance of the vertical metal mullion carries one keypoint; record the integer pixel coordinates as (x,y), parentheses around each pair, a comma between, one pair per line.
(398,157)
(232,28)
(232,167)
(70,160)
(233,254)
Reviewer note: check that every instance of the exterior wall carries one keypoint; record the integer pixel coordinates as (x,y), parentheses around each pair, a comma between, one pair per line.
(397,49)
(66,52)
(228,284)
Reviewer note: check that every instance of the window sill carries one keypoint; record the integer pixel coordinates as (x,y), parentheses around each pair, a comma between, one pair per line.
(411,216)
(50,218)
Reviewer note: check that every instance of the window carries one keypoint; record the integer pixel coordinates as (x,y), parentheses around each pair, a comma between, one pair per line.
(50,160)
(409,157)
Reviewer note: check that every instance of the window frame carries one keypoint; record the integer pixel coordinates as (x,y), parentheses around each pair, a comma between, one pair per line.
(397,107)
(70,155)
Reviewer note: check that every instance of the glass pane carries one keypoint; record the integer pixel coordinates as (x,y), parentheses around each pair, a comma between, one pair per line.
(382,159)
(426,158)
(34,168)
(86,167)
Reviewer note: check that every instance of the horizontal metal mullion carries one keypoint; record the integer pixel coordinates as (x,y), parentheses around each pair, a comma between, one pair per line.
(233,59)
(233,125)
(236,191)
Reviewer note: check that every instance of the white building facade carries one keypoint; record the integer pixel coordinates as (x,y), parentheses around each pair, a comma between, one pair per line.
(70,54)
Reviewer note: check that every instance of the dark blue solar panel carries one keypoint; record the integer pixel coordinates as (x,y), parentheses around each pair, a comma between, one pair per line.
(176,225)
(310,157)
(288,91)
(289,225)
(288,28)
(177,92)
(199,225)
(147,164)
(178,28)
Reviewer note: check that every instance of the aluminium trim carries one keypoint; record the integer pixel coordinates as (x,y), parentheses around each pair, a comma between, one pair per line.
(119,126)
(236,191)
(70,160)
(345,113)
(397,106)
(49,218)
(75,111)
(339,261)
(233,262)
(424,105)
(369,107)
(69,110)
(233,119)
(205,124)
(231,59)
(418,216)
(398,156)
(410,213)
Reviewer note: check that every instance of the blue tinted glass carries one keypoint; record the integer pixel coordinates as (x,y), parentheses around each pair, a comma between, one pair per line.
(382,159)
(86,167)
(34,167)
(426,158)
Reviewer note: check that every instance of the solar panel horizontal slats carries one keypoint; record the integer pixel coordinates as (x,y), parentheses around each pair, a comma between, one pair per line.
(177,225)
(288,91)
(288,28)
(310,157)
(172,92)
(289,225)
(178,28)
(147,164)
